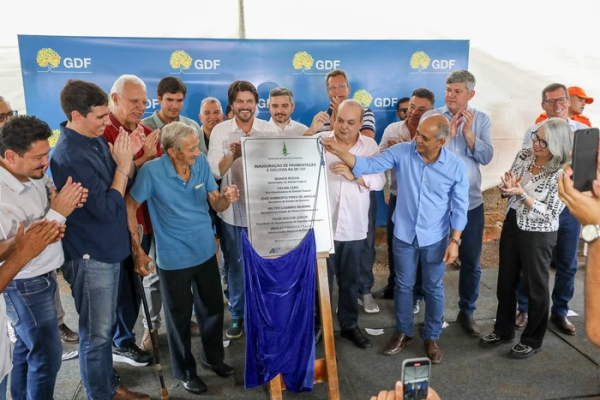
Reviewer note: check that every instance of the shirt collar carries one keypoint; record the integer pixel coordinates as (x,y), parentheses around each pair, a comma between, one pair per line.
(170,168)
(443,154)
(75,136)
(447,112)
(254,129)
(13,183)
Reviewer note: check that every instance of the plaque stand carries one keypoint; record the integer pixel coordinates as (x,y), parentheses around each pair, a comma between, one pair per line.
(325,368)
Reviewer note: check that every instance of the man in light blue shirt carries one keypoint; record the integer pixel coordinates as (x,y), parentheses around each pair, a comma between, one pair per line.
(470,139)
(179,186)
(434,182)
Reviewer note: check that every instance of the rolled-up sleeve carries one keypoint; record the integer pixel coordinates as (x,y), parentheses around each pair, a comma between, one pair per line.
(216,152)
(483,151)
(460,199)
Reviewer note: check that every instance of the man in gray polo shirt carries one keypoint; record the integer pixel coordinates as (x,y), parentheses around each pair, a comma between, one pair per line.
(171,94)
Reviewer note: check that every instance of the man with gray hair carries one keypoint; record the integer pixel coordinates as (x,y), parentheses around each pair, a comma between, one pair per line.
(211,114)
(179,187)
(281,106)
(128,95)
(470,139)
(6,112)
(433,201)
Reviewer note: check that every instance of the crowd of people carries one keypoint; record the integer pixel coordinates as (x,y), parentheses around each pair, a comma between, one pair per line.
(154,197)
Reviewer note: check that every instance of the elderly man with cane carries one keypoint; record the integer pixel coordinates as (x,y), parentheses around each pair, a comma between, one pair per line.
(179,186)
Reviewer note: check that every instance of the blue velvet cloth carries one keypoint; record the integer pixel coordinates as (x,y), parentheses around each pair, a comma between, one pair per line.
(280,304)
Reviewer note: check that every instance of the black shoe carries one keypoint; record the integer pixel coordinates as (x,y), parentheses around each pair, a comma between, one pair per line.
(386,293)
(492,340)
(236,329)
(223,370)
(468,324)
(194,385)
(521,351)
(131,355)
(318,334)
(356,337)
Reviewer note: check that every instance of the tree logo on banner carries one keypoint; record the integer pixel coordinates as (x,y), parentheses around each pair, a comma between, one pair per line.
(180,60)
(303,61)
(54,137)
(419,61)
(363,97)
(47,57)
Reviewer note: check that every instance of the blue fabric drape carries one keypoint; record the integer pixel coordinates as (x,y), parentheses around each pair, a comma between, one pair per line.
(280,301)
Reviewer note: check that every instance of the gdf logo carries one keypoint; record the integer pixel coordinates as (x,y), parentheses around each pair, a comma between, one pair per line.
(262,104)
(50,59)
(303,62)
(152,104)
(182,61)
(363,97)
(386,101)
(420,61)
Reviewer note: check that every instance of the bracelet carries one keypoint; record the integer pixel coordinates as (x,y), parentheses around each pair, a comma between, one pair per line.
(355,179)
(118,170)
(523,196)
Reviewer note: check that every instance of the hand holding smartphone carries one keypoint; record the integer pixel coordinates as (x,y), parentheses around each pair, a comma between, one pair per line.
(416,373)
(585,158)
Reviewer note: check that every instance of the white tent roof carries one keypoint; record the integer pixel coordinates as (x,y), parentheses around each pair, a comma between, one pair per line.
(516,47)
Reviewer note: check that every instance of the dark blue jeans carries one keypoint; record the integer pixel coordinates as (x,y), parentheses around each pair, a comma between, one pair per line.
(95,286)
(37,353)
(433,268)
(469,255)
(564,260)
(129,300)
(367,256)
(232,256)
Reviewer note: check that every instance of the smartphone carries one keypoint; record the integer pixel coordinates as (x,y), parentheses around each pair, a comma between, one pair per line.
(585,158)
(416,373)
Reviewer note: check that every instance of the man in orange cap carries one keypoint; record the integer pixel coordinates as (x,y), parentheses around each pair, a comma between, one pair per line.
(578,101)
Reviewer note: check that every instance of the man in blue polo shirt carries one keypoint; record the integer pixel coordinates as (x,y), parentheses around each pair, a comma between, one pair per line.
(434,183)
(178,187)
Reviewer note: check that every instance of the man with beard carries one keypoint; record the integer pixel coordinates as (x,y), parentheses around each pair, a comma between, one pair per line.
(224,157)
(281,106)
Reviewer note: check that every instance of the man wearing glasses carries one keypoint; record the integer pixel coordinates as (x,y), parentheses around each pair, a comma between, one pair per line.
(6,113)
(556,102)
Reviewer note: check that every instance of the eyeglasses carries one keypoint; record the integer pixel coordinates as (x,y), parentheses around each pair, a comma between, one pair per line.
(403,110)
(341,86)
(541,142)
(560,100)
(8,115)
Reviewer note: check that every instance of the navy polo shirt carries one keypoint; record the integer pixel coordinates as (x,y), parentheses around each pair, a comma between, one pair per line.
(179,211)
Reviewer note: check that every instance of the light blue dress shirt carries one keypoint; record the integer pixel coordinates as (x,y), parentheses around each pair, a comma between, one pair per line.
(482,153)
(428,192)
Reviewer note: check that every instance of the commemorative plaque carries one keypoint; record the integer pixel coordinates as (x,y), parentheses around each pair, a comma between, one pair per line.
(286,193)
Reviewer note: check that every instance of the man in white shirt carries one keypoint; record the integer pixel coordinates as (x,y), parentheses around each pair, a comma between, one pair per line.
(224,157)
(281,106)
(15,254)
(350,200)
(28,195)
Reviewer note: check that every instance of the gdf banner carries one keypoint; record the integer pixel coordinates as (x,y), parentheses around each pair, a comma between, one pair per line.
(380,71)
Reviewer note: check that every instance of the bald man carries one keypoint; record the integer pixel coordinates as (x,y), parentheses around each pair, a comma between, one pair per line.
(435,182)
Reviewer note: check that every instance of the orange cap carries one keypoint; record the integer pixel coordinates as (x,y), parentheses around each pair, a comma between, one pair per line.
(579,92)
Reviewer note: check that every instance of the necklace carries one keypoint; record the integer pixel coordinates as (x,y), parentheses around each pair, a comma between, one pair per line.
(541,168)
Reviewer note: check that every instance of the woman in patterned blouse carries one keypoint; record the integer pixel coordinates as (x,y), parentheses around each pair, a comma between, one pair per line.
(529,235)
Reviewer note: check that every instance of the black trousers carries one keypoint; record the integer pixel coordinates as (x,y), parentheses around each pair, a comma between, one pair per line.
(199,286)
(367,257)
(530,253)
(344,265)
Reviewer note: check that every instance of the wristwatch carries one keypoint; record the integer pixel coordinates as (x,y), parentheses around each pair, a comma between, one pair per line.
(590,232)
(457,241)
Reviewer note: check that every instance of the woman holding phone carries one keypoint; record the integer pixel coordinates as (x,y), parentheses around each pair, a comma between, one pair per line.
(529,235)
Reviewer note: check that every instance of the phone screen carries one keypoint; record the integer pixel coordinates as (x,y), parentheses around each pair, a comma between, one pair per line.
(415,379)
(585,158)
